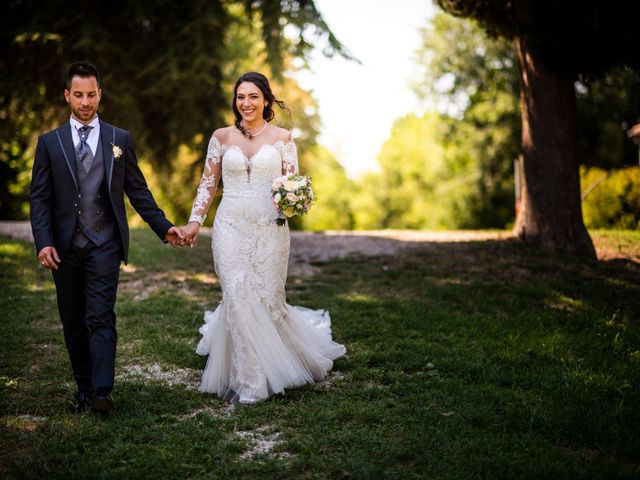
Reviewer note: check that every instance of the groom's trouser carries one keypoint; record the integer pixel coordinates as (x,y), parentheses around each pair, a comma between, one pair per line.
(86,285)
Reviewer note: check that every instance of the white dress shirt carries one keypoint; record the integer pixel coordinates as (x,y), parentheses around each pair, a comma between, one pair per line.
(94,133)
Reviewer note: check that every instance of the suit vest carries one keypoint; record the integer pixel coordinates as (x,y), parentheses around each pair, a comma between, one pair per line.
(95,218)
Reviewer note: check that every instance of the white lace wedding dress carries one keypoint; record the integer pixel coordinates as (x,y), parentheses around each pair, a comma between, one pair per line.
(257,344)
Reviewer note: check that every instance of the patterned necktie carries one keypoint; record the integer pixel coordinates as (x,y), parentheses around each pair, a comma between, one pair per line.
(83,151)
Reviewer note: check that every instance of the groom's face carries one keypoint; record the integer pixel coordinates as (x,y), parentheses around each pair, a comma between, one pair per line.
(83,98)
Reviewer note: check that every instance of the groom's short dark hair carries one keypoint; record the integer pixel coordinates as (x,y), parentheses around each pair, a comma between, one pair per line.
(83,70)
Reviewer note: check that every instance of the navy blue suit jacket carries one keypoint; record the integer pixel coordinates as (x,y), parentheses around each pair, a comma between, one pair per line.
(54,188)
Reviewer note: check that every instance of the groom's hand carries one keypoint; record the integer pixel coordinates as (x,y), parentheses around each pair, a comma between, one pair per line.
(175,236)
(48,258)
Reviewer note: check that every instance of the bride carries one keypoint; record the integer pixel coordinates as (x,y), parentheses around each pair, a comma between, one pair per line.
(257,344)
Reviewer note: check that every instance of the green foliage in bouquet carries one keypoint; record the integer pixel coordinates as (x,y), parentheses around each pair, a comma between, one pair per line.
(292,195)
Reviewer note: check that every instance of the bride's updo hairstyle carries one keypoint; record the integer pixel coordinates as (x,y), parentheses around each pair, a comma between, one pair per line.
(262,83)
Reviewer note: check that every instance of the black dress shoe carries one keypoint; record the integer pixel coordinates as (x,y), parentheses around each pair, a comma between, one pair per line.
(81,402)
(102,404)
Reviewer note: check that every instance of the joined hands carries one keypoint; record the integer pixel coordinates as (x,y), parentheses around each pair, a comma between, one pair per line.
(183,236)
(191,231)
(175,236)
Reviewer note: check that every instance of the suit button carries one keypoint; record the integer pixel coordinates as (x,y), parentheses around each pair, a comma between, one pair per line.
(97,229)
(75,204)
(79,196)
(99,196)
(79,212)
(98,212)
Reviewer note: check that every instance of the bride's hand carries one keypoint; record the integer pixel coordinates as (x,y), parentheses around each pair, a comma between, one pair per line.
(191,231)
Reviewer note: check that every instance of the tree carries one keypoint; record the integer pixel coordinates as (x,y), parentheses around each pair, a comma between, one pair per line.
(165,67)
(332,209)
(412,188)
(557,42)
(411,167)
(608,107)
(472,80)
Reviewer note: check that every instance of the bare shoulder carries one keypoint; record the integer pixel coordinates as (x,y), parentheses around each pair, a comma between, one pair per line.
(283,134)
(222,134)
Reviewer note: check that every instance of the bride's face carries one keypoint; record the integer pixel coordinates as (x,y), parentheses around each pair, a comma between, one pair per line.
(250,102)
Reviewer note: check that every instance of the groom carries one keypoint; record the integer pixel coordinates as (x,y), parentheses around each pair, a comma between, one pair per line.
(80,173)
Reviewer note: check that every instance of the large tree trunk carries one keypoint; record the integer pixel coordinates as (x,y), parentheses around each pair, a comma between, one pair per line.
(551,213)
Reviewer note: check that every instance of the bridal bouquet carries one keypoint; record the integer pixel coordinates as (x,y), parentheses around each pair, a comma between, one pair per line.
(292,195)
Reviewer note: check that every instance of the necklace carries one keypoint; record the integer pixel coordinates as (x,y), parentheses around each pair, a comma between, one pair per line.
(247,160)
(251,135)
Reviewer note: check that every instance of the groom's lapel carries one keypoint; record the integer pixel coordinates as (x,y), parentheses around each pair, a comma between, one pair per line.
(66,145)
(107,137)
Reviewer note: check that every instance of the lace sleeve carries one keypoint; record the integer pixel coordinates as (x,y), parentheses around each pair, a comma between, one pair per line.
(208,183)
(289,159)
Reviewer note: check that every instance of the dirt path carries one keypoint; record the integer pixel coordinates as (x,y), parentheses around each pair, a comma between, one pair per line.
(18,230)
(308,248)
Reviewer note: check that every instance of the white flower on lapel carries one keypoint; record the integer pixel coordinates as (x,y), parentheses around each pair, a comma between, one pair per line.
(117,151)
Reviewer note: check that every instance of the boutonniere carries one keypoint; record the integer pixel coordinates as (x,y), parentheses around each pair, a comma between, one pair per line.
(117,151)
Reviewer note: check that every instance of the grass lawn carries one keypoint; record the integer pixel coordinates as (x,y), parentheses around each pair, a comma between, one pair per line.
(465,360)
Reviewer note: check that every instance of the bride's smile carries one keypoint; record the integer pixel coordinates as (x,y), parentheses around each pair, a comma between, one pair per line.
(250,102)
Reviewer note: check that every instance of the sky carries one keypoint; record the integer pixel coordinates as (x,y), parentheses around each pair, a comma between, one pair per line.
(359,103)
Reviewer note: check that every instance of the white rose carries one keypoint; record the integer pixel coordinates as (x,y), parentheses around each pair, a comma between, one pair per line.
(116,151)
